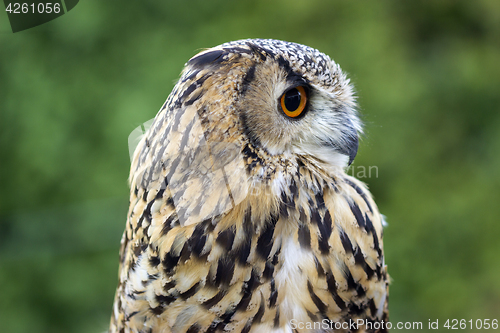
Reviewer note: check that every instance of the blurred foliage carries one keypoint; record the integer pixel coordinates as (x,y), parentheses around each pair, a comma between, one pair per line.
(428,79)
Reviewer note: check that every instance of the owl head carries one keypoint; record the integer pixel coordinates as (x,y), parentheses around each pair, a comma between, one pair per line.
(258,105)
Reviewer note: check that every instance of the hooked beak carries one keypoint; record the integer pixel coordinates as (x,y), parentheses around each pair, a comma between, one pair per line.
(350,148)
(348,145)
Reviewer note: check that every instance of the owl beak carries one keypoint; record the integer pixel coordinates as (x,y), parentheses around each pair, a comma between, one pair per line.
(352,149)
(349,148)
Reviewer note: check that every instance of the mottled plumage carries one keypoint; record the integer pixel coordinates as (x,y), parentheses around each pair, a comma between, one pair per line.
(241,218)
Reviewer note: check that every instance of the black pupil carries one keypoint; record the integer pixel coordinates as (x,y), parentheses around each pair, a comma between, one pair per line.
(292,99)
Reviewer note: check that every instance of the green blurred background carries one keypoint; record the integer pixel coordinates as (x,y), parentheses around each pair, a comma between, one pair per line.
(428,78)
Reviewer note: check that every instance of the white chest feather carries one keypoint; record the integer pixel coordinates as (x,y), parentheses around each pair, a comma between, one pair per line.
(291,280)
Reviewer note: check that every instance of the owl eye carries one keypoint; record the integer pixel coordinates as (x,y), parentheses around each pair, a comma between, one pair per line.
(293,102)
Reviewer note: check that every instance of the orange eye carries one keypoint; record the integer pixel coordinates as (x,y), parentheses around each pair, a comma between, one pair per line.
(293,102)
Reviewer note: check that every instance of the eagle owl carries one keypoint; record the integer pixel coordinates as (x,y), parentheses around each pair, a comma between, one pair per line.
(242,218)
